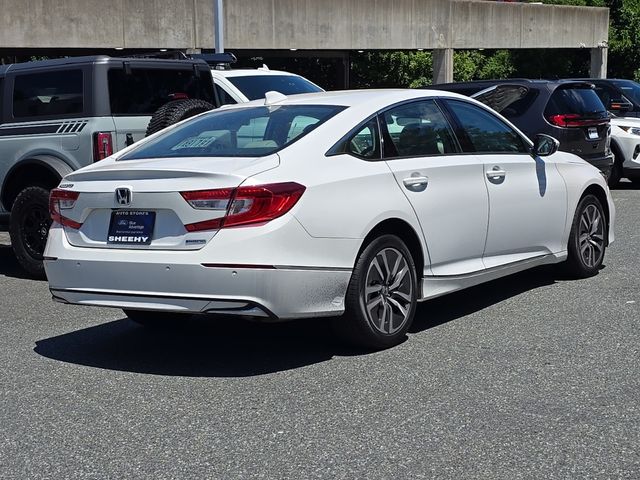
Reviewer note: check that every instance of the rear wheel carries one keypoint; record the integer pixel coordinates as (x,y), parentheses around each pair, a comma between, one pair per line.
(587,241)
(154,319)
(29,228)
(174,112)
(382,295)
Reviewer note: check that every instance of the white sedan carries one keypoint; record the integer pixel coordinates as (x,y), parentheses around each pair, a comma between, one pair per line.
(359,203)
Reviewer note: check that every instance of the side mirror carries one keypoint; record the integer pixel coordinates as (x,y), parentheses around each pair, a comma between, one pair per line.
(544,145)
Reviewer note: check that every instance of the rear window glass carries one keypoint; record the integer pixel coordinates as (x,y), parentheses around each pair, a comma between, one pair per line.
(243,132)
(629,88)
(581,101)
(255,87)
(55,93)
(143,91)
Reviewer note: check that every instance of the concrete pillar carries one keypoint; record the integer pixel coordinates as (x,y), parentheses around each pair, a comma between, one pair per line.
(598,62)
(443,65)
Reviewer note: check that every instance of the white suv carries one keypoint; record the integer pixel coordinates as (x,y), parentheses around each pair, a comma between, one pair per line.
(244,85)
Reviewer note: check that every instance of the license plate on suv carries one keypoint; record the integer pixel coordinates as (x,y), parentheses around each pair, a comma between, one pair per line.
(593,133)
(131,227)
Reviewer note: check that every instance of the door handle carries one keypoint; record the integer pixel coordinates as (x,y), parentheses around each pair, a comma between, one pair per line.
(496,174)
(416,183)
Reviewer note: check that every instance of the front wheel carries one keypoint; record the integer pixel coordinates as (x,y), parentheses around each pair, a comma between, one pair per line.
(382,295)
(587,241)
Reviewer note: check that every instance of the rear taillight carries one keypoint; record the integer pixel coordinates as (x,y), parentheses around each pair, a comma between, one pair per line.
(60,200)
(102,146)
(575,120)
(244,205)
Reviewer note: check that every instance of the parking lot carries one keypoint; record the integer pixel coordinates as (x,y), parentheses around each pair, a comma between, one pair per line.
(531,376)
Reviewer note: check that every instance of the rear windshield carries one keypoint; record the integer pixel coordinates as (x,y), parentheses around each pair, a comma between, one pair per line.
(243,132)
(581,101)
(255,87)
(145,90)
(629,88)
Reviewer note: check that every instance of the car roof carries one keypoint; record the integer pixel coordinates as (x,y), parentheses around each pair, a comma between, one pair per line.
(515,81)
(252,72)
(351,98)
(92,59)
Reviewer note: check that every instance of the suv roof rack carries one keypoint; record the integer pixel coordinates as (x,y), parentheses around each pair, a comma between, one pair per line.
(168,55)
(219,61)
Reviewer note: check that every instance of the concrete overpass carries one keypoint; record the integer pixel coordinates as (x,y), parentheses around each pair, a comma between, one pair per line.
(314,25)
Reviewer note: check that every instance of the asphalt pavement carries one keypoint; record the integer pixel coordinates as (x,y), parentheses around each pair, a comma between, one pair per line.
(532,376)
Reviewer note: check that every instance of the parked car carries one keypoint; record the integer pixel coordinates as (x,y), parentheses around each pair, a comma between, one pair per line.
(625,144)
(231,86)
(622,99)
(59,115)
(569,111)
(383,199)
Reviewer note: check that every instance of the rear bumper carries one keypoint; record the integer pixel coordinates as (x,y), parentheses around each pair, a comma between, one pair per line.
(278,293)
(245,274)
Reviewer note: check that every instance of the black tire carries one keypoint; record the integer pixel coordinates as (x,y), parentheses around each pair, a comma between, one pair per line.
(154,319)
(29,228)
(370,329)
(174,112)
(616,171)
(587,241)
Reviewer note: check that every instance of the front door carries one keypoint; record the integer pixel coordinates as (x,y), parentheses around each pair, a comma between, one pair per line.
(527,196)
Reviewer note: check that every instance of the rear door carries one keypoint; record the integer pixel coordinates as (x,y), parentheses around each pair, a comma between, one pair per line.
(444,186)
(527,196)
(136,91)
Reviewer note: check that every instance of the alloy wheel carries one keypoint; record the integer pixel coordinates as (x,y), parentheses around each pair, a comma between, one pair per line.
(388,291)
(591,236)
(35,228)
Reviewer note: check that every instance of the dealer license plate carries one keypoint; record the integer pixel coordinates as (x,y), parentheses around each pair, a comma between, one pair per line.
(131,227)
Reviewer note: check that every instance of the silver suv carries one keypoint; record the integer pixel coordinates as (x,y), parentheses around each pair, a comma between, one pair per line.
(59,115)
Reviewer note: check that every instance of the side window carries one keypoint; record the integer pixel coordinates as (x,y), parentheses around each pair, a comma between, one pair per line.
(145,90)
(366,142)
(225,98)
(54,93)
(417,129)
(486,132)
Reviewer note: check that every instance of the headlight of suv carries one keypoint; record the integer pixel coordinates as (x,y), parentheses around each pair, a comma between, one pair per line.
(632,130)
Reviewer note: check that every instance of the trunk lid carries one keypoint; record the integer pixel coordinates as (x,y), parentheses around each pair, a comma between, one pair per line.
(137,203)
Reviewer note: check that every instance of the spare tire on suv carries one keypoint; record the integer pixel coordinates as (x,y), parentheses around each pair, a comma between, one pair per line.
(176,111)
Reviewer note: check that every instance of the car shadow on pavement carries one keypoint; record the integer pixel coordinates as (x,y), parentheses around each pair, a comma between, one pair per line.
(455,305)
(9,266)
(234,347)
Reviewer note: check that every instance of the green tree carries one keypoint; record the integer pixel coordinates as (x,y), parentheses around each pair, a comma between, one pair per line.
(391,69)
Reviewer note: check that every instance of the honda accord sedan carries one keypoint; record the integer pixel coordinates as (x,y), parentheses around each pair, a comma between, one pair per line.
(354,205)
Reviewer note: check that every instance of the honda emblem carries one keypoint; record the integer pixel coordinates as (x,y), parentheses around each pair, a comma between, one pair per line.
(123,196)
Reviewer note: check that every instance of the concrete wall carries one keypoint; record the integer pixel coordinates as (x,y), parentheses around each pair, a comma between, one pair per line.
(302,24)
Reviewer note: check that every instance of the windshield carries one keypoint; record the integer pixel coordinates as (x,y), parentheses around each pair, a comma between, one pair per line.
(241,132)
(256,86)
(629,88)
